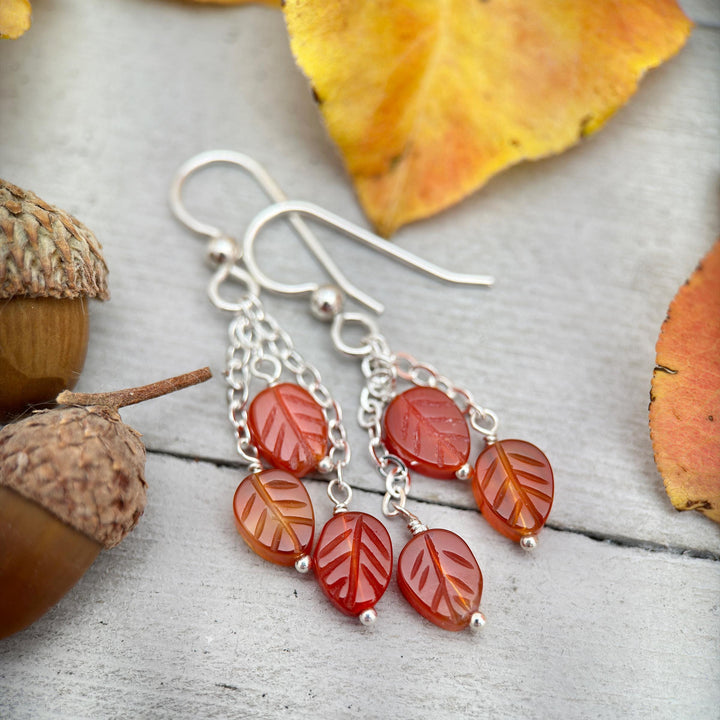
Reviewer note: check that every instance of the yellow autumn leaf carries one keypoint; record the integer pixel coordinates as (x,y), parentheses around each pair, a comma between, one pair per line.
(428,99)
(14,18)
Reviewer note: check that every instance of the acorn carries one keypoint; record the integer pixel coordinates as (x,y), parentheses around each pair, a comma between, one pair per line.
(71,483)
(50,265)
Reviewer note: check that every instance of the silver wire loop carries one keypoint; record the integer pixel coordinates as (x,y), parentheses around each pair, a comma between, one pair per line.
(269,375)
(341,321)
(237,273)
(353,231)
(294,207)
(415,525)
(341,502)
(477,415)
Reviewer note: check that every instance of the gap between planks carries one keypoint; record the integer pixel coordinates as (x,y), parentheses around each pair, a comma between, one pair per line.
(608,538)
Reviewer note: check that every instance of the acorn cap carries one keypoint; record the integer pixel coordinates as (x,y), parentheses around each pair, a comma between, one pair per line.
(82,464)
(44,252)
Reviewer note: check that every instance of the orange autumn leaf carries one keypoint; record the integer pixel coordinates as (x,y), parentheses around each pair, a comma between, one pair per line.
(427,100)
(685,395)
(14,18)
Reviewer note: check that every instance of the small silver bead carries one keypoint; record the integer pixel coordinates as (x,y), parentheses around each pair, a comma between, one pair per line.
(465,472)
(528,542)
(368,617)
(221,250)
(477,621)
(326,302)
(326,465)
(302,564)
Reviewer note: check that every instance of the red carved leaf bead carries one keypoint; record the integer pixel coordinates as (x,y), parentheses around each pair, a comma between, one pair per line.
(353,561)
(274,515)
(426,429)
(440,577)
(288,428)
(514,487)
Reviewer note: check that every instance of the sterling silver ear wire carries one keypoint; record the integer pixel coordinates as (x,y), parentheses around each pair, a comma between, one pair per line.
(223,245)
(288,430)
(295,208)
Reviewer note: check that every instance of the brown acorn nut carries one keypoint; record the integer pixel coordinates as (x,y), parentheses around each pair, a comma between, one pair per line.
(50,264)
(71,483)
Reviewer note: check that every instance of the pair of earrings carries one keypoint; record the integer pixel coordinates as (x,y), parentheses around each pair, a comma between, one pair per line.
(296,429)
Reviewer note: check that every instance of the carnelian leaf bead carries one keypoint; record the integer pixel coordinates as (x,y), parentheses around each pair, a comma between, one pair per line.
(274,515)
(288,428)
(426,429)
(353,561)
(440,577)
(514,487)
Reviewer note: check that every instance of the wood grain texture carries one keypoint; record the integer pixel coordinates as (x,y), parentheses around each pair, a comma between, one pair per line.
(615,615)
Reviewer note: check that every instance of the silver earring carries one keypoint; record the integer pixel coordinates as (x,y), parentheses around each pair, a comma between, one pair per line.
(416,430)
(288,429)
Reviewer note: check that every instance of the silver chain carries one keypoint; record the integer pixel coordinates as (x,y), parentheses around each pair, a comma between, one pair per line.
(382,369)
(259,349)
(379,366)
(482,419)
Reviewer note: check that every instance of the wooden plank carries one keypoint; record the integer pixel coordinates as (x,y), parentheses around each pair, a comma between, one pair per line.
(98,110)
(183,620)
(588,249)
(703,12)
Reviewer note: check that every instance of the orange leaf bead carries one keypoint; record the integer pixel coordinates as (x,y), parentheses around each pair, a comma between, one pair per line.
(514,487)
(440,577)
(289,428)
(426,429)
(274,515)
(353,561)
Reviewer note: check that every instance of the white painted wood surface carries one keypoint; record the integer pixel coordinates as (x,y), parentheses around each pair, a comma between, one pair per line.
(616,615)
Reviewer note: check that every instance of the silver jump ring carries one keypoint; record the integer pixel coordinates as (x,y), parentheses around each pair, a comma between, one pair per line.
(397,479)
(391,506)
(271,375)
